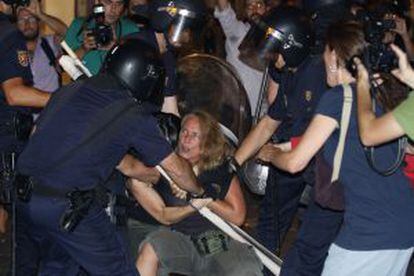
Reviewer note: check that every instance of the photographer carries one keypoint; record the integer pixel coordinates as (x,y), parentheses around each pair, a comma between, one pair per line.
(91,40)
(392,125)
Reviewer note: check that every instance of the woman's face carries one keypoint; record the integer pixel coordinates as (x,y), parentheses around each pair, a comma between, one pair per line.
(189,143)
(331,67)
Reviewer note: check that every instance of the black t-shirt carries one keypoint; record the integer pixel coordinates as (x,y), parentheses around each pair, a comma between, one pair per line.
(194,223)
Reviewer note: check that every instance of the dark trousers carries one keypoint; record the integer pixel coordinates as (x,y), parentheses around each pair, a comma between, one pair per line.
(318,230)
(278,207)
(94,245)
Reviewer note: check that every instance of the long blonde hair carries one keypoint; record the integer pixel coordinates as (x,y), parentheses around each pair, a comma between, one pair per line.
(214,146)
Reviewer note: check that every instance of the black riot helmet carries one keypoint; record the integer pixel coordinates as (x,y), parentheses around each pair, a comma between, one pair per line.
(138,67)
(284,30)
(312,6)
(179,14)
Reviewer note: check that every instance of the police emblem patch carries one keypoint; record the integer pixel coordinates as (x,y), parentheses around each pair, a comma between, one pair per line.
(23,58)
(308,95)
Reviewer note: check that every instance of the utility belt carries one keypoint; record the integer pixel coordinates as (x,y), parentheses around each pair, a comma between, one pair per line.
(210,242)
(80,201)
(16,124)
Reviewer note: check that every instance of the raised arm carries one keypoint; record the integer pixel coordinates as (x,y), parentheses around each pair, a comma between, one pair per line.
(372,130)
(52,22)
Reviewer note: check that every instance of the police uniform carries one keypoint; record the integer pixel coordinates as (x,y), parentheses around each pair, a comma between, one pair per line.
(298,95)
(14,63)
(87,141)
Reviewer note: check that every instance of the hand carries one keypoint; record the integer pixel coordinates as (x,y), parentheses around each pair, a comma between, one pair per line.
(400,26)
(89,42)
(363,75)
(404,72)
(285,147)
(199,203)
(34,8)
(267,152)
(177,191)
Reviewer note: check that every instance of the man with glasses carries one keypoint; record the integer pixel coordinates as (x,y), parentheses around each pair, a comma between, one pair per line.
(81,39)
(43,50)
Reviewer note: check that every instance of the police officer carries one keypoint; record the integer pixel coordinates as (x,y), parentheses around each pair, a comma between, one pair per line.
(287,38)
(89,126)
(170,25)
(16,96)
(297,97)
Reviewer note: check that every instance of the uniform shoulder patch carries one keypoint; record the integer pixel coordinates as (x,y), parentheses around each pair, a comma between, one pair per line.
(23,58)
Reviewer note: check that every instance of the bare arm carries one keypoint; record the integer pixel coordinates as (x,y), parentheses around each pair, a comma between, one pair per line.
(272,90)
(256,139)
(312,141)
(233,207)
(181,173)
(132,167)
(18,94)
(151,201)
(54,23)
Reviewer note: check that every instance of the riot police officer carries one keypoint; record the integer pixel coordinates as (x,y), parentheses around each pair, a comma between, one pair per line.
(16,94)
(16,98)
(170,25)
(90,126)
(297,97)
(284,36)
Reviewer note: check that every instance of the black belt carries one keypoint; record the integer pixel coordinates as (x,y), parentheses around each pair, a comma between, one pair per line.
(28,185)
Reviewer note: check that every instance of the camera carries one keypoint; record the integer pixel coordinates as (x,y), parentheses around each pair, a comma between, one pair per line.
(378,56)
(103,33)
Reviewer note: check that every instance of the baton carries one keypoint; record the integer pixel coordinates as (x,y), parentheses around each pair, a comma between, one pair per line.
(270,260)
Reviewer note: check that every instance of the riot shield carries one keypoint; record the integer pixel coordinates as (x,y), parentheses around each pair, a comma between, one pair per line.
(208,83)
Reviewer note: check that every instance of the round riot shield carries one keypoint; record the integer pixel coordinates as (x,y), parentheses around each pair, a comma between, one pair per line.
(208,83)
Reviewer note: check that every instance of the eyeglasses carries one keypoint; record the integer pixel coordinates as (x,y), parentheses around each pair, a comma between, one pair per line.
(24,20)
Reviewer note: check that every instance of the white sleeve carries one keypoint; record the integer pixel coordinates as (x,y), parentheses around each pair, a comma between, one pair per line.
(232,27)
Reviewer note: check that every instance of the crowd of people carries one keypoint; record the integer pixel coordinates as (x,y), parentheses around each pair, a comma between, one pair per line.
(104,175)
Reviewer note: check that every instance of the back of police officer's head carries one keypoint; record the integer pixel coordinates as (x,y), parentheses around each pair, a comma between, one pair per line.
(138,68)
